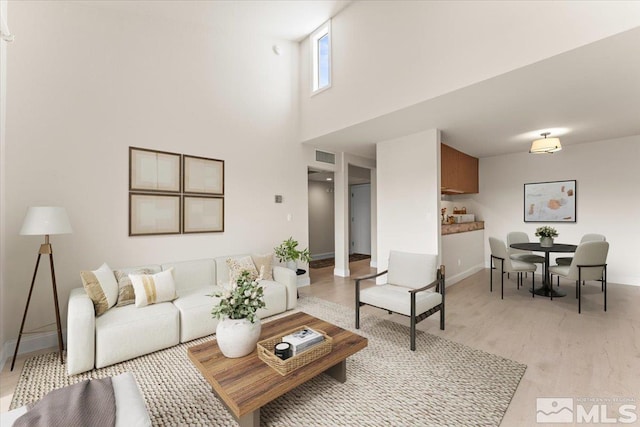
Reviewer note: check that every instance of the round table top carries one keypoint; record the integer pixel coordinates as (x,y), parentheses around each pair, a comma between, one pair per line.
(533,246)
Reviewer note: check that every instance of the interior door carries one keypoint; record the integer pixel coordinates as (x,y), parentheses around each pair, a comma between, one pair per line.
(360,219)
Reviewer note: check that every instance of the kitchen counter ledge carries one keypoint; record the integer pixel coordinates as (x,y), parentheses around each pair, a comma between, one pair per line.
(462,228)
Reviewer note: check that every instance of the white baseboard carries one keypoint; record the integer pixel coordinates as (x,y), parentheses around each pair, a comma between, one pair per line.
(325,255)
(341,272)
(31,343)
(450,280)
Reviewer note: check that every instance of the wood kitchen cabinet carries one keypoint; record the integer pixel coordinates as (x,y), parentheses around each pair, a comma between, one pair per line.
(459,171)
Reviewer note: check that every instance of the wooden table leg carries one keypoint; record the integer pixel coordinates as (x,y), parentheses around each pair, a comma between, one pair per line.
(338,371)
(252,419)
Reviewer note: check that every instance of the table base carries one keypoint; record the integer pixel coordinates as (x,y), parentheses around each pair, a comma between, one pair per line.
(252,419)
(547,292)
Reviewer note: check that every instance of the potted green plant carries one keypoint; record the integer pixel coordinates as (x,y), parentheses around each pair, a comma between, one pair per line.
(546,234)
(239,328)
(289,253)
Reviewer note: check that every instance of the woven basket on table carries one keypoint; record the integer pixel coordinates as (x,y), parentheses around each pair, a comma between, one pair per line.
(284,367)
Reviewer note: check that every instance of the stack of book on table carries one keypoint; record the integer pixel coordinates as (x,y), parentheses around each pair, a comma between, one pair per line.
(303,340)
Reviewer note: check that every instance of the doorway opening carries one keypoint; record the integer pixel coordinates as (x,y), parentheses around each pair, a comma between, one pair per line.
(321,216)
(359,213)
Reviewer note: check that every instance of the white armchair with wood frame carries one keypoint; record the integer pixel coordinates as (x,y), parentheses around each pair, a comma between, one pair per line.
(414,288)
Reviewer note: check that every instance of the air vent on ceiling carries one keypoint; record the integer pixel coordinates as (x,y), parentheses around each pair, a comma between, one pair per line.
(325,157)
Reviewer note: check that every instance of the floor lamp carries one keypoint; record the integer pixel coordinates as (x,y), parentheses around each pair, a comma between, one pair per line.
(44,221)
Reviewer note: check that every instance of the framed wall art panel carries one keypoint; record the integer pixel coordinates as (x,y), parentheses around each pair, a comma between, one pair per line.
(152,214)
(203,176)
(203,214)
(550,201)
(151,170)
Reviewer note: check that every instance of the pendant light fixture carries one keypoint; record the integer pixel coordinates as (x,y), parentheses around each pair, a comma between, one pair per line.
(545,145)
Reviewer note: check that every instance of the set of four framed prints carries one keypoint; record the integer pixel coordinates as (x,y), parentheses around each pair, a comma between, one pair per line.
(172,193)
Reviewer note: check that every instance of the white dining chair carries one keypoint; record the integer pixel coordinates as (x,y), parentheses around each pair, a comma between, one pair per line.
(521,254)
(508,265)
(589,263)
(591,237)
(566,260)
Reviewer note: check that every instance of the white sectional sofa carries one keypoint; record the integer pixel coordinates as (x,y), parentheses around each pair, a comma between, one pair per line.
(126,332)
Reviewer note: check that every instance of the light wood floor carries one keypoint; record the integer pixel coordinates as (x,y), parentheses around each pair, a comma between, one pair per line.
(594,354)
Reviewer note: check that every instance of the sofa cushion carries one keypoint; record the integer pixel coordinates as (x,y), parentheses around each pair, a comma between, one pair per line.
(126,332)
(153,288)
(237,265)
(102,288)
(264,265)
(126,293)
(398,299)
(195,307)
(192,274)
(275,298)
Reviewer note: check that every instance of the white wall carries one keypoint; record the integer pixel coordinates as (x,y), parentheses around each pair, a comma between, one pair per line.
(607,197)
(408,180)
(449,45)
(462,255)
(321,219)
(3,208)
(84,84)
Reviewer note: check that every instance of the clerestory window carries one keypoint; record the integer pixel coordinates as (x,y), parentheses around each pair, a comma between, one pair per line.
(321,53)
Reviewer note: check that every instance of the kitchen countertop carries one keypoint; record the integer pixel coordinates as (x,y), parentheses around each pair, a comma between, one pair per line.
(462,228)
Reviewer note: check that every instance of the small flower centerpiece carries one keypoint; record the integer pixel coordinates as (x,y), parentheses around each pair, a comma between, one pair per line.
(239,328)
(546,234)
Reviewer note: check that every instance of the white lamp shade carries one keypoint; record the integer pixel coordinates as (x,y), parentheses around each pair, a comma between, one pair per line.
(43,220)
(545,145)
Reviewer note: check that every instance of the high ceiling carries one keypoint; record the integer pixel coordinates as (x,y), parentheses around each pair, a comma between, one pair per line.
(285,19)
(588,94)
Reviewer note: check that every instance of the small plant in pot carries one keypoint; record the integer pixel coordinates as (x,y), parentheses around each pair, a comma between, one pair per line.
(289,253)
(239,328)
(546,234)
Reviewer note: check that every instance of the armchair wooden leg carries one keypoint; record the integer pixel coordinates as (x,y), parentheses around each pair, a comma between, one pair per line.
(413,322)
(442,313)
(604,286)
(357,304)
(502,281)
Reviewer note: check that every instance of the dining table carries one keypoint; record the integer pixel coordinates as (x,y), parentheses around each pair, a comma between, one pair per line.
(547,287)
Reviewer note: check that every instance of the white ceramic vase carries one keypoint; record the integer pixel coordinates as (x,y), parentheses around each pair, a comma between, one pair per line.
(292,265)
(546,242)
(237,337)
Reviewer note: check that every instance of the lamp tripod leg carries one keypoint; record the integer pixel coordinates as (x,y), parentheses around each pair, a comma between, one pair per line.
(55,300)
(24,316)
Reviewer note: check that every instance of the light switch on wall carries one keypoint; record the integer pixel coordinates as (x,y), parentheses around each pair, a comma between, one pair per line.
(289,217)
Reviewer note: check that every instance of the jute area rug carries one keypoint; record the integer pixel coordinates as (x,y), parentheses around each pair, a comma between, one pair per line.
(442,383)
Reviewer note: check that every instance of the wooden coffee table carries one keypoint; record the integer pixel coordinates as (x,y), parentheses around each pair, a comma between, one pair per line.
(247,383)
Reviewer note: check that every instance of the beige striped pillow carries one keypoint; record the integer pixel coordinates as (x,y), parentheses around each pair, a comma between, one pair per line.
(102,288)
(126,294)
(153,288)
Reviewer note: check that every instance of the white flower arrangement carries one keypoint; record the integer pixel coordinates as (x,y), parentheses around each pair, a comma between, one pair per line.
(240,300)
(546,231)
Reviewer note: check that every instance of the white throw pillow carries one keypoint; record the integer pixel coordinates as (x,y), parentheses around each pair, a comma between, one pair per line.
(102,288)
(264,265)
(153,288)
(238,265)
